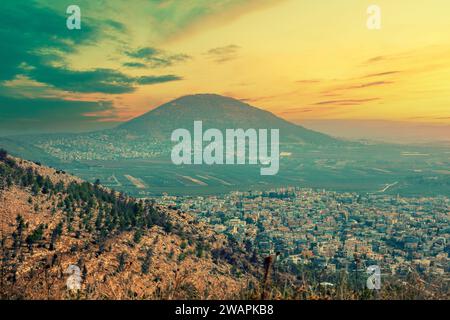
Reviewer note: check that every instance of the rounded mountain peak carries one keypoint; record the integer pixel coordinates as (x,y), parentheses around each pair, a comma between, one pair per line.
(215,111)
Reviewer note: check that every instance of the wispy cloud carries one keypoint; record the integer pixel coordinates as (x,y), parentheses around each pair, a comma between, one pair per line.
(380,74)
(155,58)
(297,111)
(389,57)
(366,85)
(31,54)
(346,102)
(94,81)
(223,54)
(308,81)
(134,65)
(375,59)
(158,79)
(176,19)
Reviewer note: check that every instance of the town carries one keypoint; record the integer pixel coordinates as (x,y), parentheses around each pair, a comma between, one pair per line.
(329,230)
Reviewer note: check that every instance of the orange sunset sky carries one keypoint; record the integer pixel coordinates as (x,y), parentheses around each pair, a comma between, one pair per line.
(298,59)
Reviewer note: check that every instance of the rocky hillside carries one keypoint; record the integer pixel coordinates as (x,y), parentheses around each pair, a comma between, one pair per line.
(56,228)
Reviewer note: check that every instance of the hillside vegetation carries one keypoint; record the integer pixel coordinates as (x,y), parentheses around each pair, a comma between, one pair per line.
(124,248)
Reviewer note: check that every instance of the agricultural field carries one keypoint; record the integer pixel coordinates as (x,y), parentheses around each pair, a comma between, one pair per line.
(371,169)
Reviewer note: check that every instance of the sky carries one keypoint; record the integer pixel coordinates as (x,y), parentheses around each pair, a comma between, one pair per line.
(302,60)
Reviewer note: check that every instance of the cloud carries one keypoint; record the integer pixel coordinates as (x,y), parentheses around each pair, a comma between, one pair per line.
(39,115)
(35,35)
(143,53)
(146,80)
(116,25)
(39,43)
(97,80)
(165,20)
(376,59)
(349,84)
(156,58)
(94,81)
(380,74)
(391,57)
(176,19)
(134,65)
(346,102)
(308,81)
(297,111)
(366,85)
(223,54)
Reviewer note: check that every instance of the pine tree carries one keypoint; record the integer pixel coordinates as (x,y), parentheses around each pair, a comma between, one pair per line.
(137,236)
(17,234)
(147,261)
(56,233)
(122,259)
(35,236)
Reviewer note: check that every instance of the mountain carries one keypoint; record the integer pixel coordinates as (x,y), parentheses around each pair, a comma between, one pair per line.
(57,227)
(148,136)
(135,157)
(218,112)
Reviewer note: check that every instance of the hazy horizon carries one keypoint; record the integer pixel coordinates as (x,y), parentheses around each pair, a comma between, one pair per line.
(380,130)
(388,131)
